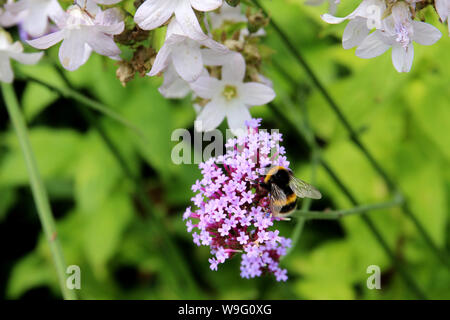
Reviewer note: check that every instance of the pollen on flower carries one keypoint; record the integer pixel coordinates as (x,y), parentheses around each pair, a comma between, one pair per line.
(229,92)
(233,211)
(66,62)
(403,35)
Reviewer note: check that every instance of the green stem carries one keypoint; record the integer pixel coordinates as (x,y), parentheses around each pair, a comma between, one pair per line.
(38,188)
(158,228)
(298,229)
(354,136)
(337,214)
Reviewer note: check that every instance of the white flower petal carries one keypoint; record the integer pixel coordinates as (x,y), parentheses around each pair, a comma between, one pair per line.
(16,7)
(174,87)
(47,41)
(88,5)
(372,46)
(355,32)
(402,58)
(27,58)
(161,61)
(367,9)
(154,13)
(211,116)
(256,94)
(215,58)
(35,24)
(328,18)
(218,47)
(102,44)
(6,73)
(206,5)
(425,33)
(206,87)
(187,59)
(57,14)
(234,70)
(188,21)
(442,8)
(72,52)
(110,21)
(237,115)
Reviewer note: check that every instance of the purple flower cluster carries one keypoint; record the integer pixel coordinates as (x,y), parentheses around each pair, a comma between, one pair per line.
(233,214)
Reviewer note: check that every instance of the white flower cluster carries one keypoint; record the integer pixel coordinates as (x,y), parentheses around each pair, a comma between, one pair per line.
(186,53)
(223,77)
(83,28)
(183,59)
(377,25)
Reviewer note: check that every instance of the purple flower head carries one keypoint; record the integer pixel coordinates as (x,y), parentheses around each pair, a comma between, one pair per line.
(233,211)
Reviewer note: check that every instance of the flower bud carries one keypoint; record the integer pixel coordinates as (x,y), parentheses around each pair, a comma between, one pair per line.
(256,21)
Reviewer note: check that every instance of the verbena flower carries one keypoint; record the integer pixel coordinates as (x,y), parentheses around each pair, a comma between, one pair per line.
(233,212)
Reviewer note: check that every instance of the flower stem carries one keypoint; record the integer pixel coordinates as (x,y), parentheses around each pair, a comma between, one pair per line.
(298,229)
(442,256)
(337,214)
(157,226)
(37,188)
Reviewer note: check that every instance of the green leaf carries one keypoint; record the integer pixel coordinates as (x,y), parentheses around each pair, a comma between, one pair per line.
(56,152)
(316,289)
(35,99)
(30,272)
(97,174)
(7,198)
(104,230)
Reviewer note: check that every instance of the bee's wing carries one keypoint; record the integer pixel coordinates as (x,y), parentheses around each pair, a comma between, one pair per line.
(303,189)
(277,199)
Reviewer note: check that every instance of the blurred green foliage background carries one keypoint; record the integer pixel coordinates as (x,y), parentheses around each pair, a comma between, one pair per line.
(403,118)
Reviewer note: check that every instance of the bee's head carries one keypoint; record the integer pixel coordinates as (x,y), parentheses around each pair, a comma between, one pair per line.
(276,174)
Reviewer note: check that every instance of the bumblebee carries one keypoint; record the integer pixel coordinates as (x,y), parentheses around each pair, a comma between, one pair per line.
(284,189)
